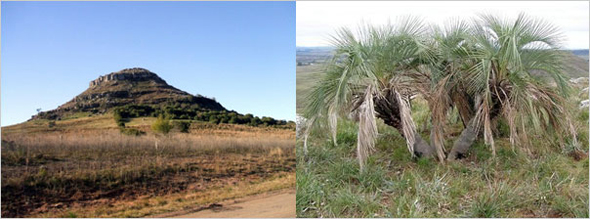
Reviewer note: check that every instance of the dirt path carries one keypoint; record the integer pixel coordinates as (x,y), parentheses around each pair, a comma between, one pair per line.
(272,205)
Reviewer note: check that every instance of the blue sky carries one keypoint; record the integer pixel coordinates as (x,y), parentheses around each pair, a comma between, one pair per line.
(241,53)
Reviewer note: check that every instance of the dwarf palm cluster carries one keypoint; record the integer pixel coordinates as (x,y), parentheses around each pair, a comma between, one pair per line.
(486,69)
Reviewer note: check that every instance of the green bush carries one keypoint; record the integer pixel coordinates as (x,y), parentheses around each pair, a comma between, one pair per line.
(119,119)
(131,131)
(132,111)
(162,125)
(183,126)
(213,120)
(187,111)
(117,116)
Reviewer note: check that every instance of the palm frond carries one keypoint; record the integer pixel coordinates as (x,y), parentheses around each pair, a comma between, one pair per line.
(367,123)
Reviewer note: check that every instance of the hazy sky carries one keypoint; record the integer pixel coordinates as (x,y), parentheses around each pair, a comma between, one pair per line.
(241,53)
(316,21)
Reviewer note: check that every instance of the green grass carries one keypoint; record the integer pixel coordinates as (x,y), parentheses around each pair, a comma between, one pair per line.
(307,77)
(513,184)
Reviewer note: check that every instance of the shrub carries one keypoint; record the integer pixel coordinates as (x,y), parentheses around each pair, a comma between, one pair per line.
(162,125)
(267,120)
(117,116)
(213,119)
(183,126)
(186,111)
(132,111)
(131,131)
(255,121)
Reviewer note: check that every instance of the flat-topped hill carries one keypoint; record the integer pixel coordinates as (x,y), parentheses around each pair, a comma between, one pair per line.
(137,86)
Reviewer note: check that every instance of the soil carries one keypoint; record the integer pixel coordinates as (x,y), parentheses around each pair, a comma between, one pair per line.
(278,204)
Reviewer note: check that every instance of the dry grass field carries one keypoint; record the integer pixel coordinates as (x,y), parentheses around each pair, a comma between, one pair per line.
(84,167)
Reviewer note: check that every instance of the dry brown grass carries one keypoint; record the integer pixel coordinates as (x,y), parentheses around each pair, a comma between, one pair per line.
(45,172)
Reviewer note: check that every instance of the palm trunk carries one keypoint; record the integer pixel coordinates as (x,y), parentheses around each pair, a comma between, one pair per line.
(422,148)
(464,142)
(471,131)
(387,109)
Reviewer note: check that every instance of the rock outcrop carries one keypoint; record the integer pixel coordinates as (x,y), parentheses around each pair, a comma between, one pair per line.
(130,74)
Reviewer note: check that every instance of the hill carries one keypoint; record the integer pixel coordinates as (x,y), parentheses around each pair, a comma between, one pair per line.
(129,86)
(137,92)
(313,55)
(577,59)
(582,53)
(578,63)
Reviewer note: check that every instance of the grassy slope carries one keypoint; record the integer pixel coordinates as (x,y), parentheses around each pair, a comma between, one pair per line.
(108,174)
(307,76)
(579,65)
(96,123)
(514,184)
(42,125)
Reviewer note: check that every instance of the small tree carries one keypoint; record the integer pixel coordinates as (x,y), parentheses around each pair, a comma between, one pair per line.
(131,131)
(183,126)
(118,118)
(162,125)
(233,120)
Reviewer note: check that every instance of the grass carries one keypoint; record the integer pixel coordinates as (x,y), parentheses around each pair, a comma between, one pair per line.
(511,185)
(307,76)
(178,202)
(46,172)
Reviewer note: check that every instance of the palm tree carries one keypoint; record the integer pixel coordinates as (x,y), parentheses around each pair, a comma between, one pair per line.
(505,61)
(447,54)
(368,78)
(488,69)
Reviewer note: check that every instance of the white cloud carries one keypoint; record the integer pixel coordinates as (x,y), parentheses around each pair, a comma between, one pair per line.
(316,21)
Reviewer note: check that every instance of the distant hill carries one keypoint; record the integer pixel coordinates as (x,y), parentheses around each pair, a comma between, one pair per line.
(577,59)
(578,63)
(582,53)
(313,55)
(137,92)
(129,86)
